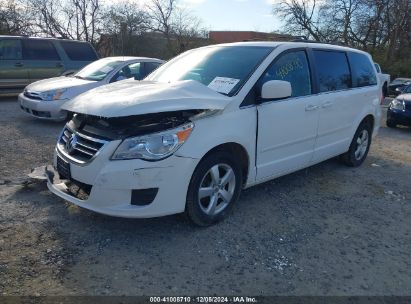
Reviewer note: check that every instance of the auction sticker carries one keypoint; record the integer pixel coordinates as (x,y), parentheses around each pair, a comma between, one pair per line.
(223,84)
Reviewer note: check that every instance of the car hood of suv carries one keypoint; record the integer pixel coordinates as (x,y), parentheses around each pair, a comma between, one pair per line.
(126,98)
(56,83)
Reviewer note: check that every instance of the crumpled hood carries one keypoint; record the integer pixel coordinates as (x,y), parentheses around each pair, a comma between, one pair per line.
(126,98)
(56,83)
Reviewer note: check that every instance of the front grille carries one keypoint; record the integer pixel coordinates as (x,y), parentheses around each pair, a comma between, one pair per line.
(63,168)
(408,105)
(32,95)
(79,147)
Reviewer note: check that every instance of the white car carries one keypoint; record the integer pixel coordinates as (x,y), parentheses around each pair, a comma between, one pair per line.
(385,79)
(44,98)
(211,122)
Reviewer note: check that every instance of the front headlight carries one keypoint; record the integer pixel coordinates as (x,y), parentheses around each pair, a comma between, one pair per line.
(155,146)
(398,105)
(53,95)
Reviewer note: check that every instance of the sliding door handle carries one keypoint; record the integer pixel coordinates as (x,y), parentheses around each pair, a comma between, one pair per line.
(311,108)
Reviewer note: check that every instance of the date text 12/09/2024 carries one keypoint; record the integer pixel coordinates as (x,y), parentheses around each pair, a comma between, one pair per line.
(233,299)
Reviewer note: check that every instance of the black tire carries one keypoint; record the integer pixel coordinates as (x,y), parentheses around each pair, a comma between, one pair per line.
(202,174)
(350,158)
(391,124)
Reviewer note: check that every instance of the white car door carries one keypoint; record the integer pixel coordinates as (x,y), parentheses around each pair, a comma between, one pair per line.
(287,128)
(339,104)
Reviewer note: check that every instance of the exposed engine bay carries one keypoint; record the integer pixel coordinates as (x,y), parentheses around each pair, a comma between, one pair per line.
(128,126)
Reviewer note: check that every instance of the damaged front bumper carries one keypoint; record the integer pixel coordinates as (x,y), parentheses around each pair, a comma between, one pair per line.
(129,188)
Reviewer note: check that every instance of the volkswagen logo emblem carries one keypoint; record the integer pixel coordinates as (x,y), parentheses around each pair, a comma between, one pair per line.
(71,143)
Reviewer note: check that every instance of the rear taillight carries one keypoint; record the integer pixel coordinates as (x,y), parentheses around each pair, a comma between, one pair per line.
(382,99)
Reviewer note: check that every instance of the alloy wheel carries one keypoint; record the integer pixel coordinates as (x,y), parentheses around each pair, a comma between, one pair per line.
(216,189)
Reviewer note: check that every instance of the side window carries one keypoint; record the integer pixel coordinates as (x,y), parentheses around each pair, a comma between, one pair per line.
(362,70)
(292,67)
(131,70)
(136,70)
(78,51)
(10,49)
(150,67)
(333,71)
(39,50)
(377,67)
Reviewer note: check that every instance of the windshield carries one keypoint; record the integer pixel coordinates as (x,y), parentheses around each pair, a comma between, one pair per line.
(400,81)
(222,68)
(97,70)
(407,89)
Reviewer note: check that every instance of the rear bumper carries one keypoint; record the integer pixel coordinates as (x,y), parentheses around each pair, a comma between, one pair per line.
(42,109)
(399,117)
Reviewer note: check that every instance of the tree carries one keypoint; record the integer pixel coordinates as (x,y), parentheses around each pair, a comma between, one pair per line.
(71,19)
(381,27)
(175,23)
(12,19)
(301,17)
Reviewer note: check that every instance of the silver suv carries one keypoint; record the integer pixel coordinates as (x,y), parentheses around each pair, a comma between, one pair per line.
(24,60)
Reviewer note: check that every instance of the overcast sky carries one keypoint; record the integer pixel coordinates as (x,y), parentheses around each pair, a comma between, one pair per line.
(235,15)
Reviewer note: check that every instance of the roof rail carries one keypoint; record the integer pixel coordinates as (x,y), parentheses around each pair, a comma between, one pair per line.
(320,42)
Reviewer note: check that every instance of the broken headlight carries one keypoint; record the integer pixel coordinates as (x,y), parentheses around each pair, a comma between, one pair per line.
(155,146)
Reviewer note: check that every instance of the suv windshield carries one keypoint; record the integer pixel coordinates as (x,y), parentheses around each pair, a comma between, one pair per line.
(223,68)
(97,70)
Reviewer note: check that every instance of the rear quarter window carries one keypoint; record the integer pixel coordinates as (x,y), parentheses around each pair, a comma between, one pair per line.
(363,73)
(78,51)
(333,71)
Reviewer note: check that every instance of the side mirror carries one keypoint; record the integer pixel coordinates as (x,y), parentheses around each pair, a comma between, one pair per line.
(276,89)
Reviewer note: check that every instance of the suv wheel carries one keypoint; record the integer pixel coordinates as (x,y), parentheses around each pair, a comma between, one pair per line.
(359,147)
(214,188)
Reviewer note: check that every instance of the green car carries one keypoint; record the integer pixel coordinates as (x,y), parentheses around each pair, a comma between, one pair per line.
(24,60)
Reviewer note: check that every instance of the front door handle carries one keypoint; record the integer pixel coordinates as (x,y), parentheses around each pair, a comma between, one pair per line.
(18,64)
(59,65)
(311,108)
(327,104)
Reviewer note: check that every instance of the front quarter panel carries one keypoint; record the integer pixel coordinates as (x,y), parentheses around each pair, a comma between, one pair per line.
(238,126)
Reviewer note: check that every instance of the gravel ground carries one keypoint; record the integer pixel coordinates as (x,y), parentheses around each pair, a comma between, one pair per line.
(325,230)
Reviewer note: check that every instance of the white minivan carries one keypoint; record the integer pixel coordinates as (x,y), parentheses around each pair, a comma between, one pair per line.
(211,122)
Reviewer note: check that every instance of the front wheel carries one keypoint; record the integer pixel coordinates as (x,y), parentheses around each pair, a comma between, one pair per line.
(215,186)
(359,147)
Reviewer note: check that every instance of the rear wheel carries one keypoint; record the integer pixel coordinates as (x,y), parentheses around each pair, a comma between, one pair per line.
(359,147)
(214,188)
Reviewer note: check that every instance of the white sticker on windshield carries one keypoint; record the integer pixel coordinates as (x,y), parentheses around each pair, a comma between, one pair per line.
(223,84)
